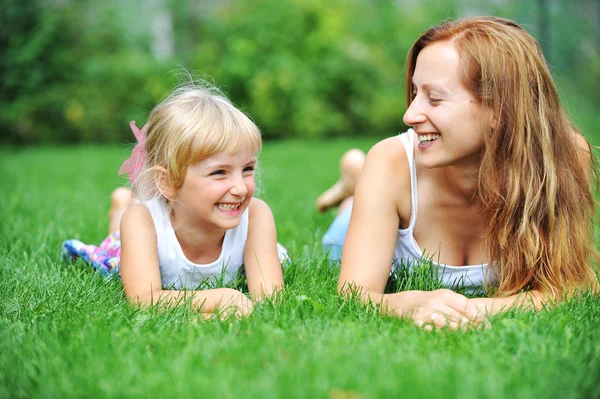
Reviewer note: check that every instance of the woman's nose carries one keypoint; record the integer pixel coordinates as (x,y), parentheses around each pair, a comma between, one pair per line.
(414,114)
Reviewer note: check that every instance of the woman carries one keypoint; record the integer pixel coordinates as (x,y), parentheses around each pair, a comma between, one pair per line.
(492,183)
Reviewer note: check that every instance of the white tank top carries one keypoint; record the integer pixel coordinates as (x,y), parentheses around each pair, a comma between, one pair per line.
(407,250)
(176,271)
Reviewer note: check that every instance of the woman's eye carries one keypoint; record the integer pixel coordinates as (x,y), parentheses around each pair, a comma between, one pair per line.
(434,100)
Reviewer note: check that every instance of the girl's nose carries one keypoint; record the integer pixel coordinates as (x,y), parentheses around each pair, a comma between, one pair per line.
(239,187)
(414,114)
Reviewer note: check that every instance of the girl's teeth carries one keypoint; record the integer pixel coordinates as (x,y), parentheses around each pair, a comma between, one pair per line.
(227,207)
(428,137)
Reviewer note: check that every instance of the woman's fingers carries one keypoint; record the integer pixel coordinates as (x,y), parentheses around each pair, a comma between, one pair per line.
(461,304)
(438,321)
(443,317)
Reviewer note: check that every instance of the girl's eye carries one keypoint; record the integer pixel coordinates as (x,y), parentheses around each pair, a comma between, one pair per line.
(249,169)
(218,172)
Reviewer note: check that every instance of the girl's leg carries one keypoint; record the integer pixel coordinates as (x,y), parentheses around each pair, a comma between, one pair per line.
(351,164)
(121,199)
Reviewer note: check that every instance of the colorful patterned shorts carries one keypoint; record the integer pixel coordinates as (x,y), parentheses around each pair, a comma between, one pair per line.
(105,259)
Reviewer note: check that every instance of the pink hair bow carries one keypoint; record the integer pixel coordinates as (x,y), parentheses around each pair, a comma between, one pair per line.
(133,166)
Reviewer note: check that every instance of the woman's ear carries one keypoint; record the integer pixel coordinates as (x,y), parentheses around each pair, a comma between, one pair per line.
(161,180)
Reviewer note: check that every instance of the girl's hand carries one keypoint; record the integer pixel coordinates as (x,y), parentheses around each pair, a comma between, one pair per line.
(233,302)
(436,309)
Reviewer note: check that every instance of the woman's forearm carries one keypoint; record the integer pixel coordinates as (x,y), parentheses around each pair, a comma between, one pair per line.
(394,304)
(530,300)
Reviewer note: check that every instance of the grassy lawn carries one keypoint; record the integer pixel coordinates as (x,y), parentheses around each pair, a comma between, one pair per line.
(66,332)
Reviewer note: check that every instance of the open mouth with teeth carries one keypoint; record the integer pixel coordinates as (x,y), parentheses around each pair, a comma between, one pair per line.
(428,138)
(229,207)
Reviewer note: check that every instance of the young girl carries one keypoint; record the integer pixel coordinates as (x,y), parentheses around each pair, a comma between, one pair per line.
(198,223)
(492,183)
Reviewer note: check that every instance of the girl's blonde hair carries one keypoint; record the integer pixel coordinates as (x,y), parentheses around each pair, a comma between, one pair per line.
(533,183)
(193,123)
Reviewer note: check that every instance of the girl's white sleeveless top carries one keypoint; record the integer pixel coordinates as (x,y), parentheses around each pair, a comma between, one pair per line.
(407,250)
(177,272)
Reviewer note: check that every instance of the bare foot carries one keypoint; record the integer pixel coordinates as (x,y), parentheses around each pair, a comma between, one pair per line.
(121,198)
(351,164)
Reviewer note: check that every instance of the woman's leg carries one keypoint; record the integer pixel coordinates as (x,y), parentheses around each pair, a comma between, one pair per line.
(334,237)
(351,164)
(121,198)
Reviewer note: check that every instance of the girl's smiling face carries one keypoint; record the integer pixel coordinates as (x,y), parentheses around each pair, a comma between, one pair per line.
(448,120)
(217,190)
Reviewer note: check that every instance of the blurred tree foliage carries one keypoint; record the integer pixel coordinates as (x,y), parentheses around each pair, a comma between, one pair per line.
(79,70)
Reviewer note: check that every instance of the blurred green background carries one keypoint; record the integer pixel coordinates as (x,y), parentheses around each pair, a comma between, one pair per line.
(75,71)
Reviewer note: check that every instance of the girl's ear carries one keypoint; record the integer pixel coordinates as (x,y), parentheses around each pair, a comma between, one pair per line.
(161,180)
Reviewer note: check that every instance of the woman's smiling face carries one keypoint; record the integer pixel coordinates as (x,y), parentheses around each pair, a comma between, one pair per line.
(447,118)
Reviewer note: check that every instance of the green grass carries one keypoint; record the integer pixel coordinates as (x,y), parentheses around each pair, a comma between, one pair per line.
(66,332)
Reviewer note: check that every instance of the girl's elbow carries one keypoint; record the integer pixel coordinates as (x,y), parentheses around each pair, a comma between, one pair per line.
(144,298)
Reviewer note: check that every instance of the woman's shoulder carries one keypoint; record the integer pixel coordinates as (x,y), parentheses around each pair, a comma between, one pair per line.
(391,148)
(585,151)
(390,155)
(387,172)
(581,142)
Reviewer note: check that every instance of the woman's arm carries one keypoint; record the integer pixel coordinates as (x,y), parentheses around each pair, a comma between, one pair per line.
(369,246)
(382,198)
(263,268)
(140,271)
(530,300)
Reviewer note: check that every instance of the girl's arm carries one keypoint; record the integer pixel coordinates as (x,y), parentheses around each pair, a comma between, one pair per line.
(383,185)
(263,268)
(140,271)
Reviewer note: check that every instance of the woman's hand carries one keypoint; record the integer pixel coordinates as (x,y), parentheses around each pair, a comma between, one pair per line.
(436,309)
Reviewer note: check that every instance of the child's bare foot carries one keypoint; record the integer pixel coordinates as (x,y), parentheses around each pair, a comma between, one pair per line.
(120,199)
(351,164)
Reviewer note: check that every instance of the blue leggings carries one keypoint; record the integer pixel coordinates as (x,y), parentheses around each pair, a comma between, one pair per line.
(333,240)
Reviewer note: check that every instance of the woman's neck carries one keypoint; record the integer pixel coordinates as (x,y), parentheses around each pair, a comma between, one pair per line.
(461,181)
